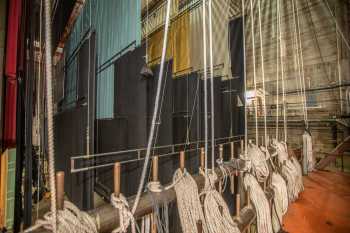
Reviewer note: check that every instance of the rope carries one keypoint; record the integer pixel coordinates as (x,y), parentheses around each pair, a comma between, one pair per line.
(309,163)
(254,74)
(282,73)
(218,222)
(289,171)
(126,217)
(205,87)
(155,111)
(69,220)
(260,203)
(189,206)
(280,200)
(49,107)
(245,84)
(259,165)
(211,86)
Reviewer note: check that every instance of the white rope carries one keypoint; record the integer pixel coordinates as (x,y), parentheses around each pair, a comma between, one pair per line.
(69,220)
(254,73)
(49,107)
(300,183)
(218,222)
(155,111)
(282,73)
(205,86)
(189,206)
(245,83)
(280,200)
(288,171)
(309,163)
(258,160)
(126,218)
(211,86)
(260,203)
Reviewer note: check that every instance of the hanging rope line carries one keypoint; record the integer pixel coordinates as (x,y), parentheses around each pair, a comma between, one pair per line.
(282,73)
(211,86)
(245,84)
(262,74)
(205,87)
(277,73)
(155,111)
(49,107)
(254,73)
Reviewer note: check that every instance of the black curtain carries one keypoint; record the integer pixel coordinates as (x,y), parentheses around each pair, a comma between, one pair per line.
(70,128)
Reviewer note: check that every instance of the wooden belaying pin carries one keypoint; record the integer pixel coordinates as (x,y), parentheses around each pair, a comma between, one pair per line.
(232,150)
(238,205)
(202,159)
(248,196)
(199,226)
(182,161)
(155,168)
(60,190)
(221,151)
(242,146)
(117,179)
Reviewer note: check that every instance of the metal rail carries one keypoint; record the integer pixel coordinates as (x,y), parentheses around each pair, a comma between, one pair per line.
(139,153)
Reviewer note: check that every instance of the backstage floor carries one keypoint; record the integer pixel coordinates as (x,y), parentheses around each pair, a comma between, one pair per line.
(324,206)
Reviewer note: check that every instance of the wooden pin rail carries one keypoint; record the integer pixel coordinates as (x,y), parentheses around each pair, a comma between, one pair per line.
(108,216)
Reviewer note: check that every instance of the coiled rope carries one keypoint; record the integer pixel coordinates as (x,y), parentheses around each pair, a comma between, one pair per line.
(289,171)
(280,200)
(260,203)
(126,217)
(258,160)
(218,222)
(189,206)
(70,219)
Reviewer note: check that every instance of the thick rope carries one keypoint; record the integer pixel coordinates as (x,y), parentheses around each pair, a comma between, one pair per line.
(69,220)
(218,222)
(49,107)
(126,218)
(289,171)
(189,206)
(309,164)
(280,200)
(258,164)
(260,203)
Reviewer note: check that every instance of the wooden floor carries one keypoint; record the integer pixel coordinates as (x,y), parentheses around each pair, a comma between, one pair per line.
(324,206)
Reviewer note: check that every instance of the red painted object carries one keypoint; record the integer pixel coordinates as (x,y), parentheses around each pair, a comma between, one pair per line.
(13,26)
(13,35)
(10,113)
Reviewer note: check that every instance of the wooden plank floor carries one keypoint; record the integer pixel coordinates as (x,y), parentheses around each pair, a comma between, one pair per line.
(324,206)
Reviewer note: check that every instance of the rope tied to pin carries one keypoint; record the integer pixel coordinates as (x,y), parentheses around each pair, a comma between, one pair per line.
(69,219)
(126,218)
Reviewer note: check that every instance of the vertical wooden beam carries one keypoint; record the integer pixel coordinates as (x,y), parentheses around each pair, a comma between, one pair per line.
(117,179)
(60,190)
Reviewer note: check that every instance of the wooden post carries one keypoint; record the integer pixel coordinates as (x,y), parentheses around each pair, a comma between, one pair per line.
(202,159)
(238,204)
(199,226)
(221,151)
(232,150)
(60,190)
(242,146)
(155,168)
(117,179)
(248,196)
(182,161)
